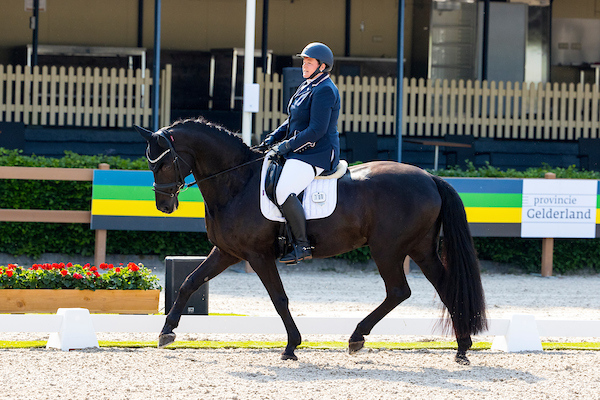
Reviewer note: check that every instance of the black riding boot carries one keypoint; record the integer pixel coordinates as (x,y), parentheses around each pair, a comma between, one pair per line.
(294,214)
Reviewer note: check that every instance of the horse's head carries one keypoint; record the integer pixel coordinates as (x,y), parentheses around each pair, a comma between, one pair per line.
(168,167)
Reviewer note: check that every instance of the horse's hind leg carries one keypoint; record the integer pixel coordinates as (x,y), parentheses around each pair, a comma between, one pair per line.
(429,262)
(215,263)
(397,290)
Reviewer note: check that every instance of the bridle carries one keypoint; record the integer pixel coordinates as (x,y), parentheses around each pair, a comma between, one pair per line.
(180,184)
(169,189)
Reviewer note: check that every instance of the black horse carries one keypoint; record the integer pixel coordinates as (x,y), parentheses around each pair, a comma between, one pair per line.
(396,209)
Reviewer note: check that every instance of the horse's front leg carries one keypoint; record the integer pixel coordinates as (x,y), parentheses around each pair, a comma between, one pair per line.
(266,270)
(216,262)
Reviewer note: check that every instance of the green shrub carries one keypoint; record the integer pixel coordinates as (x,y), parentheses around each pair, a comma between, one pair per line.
(33,239)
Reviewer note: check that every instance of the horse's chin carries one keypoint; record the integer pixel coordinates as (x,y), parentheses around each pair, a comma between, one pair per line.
(167,207)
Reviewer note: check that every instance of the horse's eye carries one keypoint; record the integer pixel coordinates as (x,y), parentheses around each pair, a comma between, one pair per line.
(167,166)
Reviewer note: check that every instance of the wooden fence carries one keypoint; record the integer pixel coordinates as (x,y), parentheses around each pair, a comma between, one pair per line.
(55,216)
(81,97)
(503,110)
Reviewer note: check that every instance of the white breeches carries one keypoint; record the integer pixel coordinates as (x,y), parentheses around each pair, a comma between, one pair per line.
(295,177)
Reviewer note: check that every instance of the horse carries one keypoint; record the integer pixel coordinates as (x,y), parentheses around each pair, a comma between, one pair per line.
(396,209)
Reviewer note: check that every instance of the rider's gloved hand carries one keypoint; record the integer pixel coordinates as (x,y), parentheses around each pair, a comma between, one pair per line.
(266,144)
(282,148)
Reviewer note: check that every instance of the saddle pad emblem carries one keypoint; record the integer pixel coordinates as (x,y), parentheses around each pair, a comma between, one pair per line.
(320,199)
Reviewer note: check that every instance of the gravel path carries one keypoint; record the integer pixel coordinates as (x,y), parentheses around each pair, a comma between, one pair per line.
(325,289)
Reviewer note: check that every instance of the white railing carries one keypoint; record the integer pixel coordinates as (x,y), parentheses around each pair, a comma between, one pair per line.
(520,332)
(81,97)
(504,110)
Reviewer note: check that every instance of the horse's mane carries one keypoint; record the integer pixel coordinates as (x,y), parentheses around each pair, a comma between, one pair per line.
(201,123)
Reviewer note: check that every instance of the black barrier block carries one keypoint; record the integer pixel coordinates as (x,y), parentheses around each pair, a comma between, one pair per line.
(177,268)
(12,135)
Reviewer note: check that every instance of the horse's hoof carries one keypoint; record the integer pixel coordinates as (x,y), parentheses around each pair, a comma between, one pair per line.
(292,356)
(354,347)
(165,339)
(462,359)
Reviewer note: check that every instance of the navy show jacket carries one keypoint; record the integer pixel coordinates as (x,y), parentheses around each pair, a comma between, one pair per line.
(311,127)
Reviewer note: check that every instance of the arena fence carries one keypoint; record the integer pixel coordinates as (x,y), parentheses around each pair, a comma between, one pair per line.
(502,110)
(81,97)
(70,327)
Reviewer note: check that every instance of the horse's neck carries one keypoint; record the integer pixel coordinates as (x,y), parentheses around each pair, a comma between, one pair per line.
(221,171)
(228,187)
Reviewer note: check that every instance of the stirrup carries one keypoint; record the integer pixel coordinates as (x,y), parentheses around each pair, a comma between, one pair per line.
(298,253)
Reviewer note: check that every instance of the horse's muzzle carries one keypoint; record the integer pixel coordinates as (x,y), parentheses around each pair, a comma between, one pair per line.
(167,206)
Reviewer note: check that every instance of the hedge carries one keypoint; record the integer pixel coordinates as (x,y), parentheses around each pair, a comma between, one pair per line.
(33,239)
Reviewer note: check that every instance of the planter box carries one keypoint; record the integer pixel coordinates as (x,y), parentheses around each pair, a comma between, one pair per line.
(96,301)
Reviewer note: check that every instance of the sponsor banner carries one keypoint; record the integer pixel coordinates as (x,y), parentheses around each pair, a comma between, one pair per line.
(559,208)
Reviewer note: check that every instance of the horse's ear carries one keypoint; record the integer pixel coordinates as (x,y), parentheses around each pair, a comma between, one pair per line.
(146,134)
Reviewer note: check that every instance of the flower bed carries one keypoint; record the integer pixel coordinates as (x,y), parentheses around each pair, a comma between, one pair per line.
(43,288)
(74,276)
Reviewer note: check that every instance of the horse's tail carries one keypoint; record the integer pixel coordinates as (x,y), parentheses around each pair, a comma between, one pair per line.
(461,281)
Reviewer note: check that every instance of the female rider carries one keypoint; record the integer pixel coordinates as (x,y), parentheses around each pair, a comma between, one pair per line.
(308,140)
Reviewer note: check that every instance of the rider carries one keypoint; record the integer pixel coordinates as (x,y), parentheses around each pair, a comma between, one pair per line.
(309,141)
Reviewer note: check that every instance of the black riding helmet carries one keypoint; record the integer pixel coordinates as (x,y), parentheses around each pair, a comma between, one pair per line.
(320,52)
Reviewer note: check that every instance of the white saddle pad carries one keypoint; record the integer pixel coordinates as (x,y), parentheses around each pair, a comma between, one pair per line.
(320,197)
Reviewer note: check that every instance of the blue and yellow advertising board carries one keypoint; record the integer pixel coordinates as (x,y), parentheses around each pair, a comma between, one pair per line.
(124,200)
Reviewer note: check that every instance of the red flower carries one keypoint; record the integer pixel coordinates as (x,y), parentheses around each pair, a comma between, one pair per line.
(77,276)
(9,273)
(86,265)
(69,265)
(64,272)
(110,266)
(133,267)
(35,267)
(103,266)
(117,270)
(88,273)
(96,274)
(93,269)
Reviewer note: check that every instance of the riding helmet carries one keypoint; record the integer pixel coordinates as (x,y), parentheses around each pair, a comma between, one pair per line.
(320,52)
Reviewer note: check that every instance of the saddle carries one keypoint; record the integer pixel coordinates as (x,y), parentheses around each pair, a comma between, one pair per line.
(325,184)
(275,167)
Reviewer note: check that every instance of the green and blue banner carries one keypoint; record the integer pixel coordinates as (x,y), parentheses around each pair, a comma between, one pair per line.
(124,200)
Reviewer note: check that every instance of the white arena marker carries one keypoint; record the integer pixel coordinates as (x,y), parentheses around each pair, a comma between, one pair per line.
(76,331)
(522,335)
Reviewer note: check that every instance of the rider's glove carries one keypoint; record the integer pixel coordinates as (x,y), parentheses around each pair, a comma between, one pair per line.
(282,148)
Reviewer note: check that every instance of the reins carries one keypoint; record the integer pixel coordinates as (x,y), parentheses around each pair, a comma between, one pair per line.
(227,170)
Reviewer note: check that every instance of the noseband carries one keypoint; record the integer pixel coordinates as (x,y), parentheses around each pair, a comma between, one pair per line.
(169,189)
